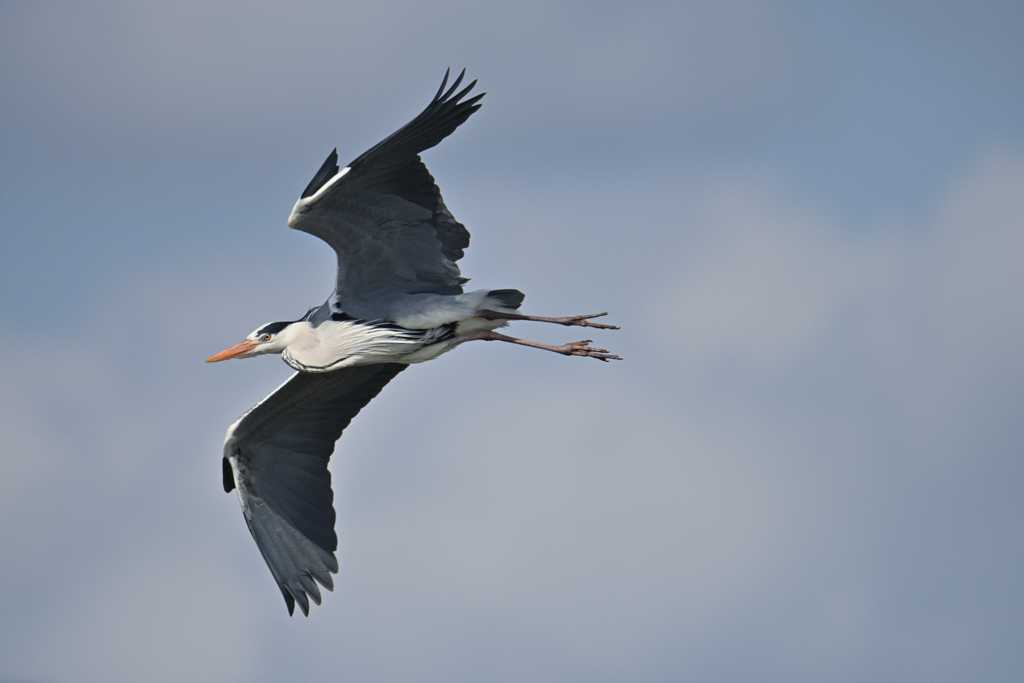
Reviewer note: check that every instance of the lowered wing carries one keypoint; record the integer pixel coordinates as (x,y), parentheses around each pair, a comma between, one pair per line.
(276,455)
(384,216)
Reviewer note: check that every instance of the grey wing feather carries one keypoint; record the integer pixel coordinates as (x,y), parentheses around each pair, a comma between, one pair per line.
(278,454)
(384,215)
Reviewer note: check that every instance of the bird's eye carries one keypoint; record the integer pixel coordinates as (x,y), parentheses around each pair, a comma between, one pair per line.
(266,337)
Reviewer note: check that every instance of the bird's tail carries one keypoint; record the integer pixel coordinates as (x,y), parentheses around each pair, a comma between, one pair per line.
(507,298)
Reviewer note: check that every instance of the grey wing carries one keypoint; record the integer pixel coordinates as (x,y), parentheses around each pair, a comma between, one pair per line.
(384,216)
(277,456)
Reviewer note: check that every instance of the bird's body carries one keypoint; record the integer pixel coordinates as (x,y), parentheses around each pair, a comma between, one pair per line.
(398,300)
(418,333)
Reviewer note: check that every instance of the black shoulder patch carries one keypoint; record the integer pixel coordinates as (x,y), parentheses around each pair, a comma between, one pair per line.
(326,172)
(339,316)
(229,476)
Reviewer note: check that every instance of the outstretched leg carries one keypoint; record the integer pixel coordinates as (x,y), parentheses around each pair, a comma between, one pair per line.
(581,320)
(580,348)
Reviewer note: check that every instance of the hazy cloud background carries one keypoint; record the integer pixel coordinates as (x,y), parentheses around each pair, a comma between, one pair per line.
(809,220)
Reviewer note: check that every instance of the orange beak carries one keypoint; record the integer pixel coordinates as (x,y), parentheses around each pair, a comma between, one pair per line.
(239,349)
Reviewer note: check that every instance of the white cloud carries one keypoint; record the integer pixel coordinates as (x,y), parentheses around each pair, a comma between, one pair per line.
(771,281)
(607,505)
(775,280)
(796,470)
(173,614)
(226,70)
(560,516)
(948,332)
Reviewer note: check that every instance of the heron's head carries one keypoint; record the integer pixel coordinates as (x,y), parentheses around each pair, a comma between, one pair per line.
(270,338)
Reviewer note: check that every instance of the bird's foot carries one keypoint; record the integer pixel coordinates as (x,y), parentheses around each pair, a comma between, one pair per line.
(578,320)
(583,348)
(584,321)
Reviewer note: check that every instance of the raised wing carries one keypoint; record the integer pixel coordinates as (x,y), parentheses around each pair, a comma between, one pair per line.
(277,454)
(384,216)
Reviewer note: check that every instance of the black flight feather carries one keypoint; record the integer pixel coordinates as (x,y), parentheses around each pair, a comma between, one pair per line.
(229,476)
(326,172)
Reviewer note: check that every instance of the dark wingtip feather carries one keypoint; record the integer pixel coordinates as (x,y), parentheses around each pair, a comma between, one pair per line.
(303,601)
(444,82)
(462,93)
(442,116)
(456,85)
(288,600)
(228,475)
(327,171)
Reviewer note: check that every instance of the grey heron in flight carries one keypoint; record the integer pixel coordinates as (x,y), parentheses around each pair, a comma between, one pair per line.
(398,299)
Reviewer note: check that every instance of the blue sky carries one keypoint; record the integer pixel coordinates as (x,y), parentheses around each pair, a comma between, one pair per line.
(808,219)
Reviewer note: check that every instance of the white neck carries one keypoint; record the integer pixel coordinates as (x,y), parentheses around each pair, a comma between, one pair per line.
(337,344)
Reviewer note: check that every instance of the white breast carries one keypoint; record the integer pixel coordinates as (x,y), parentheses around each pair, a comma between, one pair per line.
(337,344)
